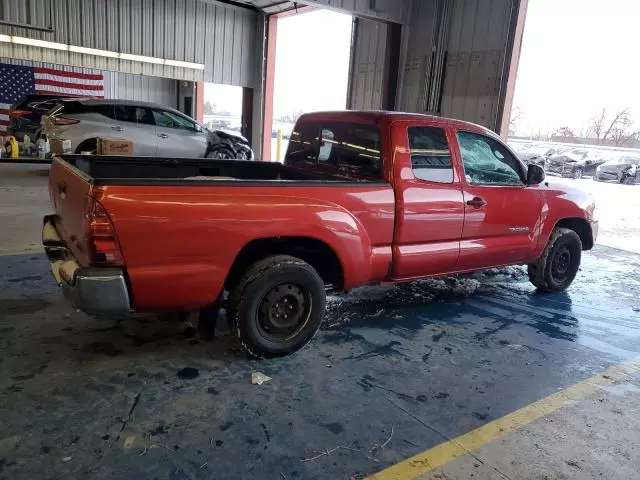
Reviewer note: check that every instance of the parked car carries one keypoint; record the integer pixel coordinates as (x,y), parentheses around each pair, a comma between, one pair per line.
(532,158)
(26,114)
(362,197)
(576,163)
(620,169)
(155,130)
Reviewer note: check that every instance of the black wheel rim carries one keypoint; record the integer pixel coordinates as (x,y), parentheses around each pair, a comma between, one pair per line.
(284,312)
(561,265)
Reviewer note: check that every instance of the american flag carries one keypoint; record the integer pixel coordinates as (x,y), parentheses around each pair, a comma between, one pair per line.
(17,81)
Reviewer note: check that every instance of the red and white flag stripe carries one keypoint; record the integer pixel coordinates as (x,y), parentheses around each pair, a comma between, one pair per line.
(51,81)
(4,116)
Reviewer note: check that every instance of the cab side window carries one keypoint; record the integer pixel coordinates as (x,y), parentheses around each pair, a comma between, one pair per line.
(430,155)
(487,162)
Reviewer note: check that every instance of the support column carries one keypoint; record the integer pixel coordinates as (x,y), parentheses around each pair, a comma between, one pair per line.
(199,103)
(511,65)
(269,84)
(247,114)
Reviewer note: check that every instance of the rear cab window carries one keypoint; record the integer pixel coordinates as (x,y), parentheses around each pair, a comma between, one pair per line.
(430,154)
(347,149)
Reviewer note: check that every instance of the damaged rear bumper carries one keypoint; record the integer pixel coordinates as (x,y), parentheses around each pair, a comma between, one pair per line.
(96,291)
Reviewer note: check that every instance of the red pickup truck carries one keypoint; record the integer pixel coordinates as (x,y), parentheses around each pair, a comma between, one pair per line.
(362,197)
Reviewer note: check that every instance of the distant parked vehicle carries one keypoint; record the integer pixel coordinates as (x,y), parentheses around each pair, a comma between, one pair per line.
(540,154)
(576,163)
(26,114)
(532,158)
(155,130)
(620,169)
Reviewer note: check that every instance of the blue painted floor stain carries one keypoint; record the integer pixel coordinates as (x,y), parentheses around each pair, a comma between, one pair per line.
(132,398)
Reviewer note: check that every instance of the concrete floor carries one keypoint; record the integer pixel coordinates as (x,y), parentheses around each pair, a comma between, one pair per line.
(395,371)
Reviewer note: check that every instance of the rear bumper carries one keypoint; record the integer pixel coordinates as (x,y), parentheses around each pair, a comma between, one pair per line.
(96,291)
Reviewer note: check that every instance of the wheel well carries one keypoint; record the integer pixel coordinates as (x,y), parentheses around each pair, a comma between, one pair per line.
(315,252)
(581,227)
(86,142)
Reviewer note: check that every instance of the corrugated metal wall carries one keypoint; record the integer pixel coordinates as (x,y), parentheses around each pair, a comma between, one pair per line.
(368,65)
(121,85)
(456,59)
(220,36)
(423,64)
(141,87)
(476,60)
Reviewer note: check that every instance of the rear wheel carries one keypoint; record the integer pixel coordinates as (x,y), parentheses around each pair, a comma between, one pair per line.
(577,173)
(90,146)
(277,306)
(558,265)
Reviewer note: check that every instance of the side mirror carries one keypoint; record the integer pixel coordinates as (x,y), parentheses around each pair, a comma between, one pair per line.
(535,174)
(199,127)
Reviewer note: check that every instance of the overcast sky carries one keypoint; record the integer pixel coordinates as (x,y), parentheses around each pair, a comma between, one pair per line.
(578,56)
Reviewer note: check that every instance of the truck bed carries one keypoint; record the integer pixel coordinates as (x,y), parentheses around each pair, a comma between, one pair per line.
(102,170)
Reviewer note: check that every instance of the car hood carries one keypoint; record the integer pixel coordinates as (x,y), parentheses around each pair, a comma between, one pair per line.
(230,133)
(614,167)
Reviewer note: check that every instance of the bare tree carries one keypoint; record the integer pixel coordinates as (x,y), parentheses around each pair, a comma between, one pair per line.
(616,131)
(566,134)
(516,115)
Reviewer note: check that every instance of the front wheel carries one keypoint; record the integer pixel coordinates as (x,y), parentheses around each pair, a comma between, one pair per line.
(277,306)
(221,153)
(577,174)
(558,265)
(628,181)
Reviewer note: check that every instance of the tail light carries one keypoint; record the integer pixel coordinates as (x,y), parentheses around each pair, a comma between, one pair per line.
(104,250)
(64,121)
(19,113)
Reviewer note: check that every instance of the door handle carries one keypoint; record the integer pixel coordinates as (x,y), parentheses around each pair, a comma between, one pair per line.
(163,135)
(476,202)
(116,128)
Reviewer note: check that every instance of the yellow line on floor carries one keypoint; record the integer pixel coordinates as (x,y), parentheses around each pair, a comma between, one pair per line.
(446,452)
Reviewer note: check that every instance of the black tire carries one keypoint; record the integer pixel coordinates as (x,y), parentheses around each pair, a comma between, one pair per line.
(577,174)
(558,265)
(271,288)
(88,146)
(221,153)
(628,181)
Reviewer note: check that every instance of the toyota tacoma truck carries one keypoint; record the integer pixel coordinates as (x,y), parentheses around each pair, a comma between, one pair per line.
(361,198)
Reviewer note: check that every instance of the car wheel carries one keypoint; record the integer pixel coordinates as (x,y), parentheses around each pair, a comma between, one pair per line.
(577,173)
(596,178)
(222,154)
(558,265)
(90,146)
(628,181)
(277,306)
